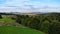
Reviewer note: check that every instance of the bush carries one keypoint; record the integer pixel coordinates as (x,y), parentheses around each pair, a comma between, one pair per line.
(0,17)
(48,23)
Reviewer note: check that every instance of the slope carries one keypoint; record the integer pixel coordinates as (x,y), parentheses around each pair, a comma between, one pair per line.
(18,30)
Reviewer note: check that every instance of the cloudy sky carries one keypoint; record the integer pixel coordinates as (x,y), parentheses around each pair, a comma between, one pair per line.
(29,5)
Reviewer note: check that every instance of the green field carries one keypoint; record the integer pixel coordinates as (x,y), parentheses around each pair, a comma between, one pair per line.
(15,30)
(18,30)
(6,19)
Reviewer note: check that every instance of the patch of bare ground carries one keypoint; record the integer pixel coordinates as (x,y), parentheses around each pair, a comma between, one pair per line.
(9,24)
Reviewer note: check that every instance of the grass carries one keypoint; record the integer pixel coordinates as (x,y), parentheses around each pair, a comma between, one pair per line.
(5,19)
(18,30)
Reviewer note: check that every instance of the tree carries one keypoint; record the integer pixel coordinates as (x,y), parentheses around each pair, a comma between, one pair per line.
(34,23)
(45,26)
(0,17)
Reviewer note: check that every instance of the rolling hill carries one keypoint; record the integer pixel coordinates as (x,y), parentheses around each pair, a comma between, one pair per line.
(18,30)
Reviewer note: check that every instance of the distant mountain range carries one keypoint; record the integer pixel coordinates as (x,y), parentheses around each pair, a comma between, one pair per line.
(39,12)
(22,13)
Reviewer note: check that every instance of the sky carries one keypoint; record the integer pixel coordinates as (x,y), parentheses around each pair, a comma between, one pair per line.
(29,5)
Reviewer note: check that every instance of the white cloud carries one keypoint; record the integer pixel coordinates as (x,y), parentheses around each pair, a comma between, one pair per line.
(26,6)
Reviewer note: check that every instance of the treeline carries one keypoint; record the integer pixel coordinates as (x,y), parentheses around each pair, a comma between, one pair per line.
(48,23)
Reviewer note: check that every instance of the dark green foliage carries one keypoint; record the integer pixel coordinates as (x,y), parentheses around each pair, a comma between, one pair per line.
(34,23)
(18,19)
(48,23)
(55,28)
(45,26)
(0,16)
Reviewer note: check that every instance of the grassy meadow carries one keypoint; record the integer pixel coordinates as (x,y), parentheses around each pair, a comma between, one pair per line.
(18,30)
(7,19)
(13,29)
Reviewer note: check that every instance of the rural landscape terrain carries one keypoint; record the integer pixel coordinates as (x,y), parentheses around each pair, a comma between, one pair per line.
(47,23)
(29,16)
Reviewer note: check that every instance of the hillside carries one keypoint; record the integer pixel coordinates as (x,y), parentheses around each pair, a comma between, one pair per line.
(10,26)
(18,30)
(48,23)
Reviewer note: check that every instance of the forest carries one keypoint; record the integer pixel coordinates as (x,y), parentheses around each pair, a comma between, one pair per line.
(48,23)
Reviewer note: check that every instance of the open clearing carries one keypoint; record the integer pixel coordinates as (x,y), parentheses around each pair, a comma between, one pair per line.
(18,30)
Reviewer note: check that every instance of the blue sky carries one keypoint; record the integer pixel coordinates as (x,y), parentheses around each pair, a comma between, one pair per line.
(28,5)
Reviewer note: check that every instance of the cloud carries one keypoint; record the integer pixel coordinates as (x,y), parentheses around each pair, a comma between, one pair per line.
(28,5)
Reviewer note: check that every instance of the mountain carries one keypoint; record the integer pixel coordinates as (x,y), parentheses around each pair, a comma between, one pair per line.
(39,12)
